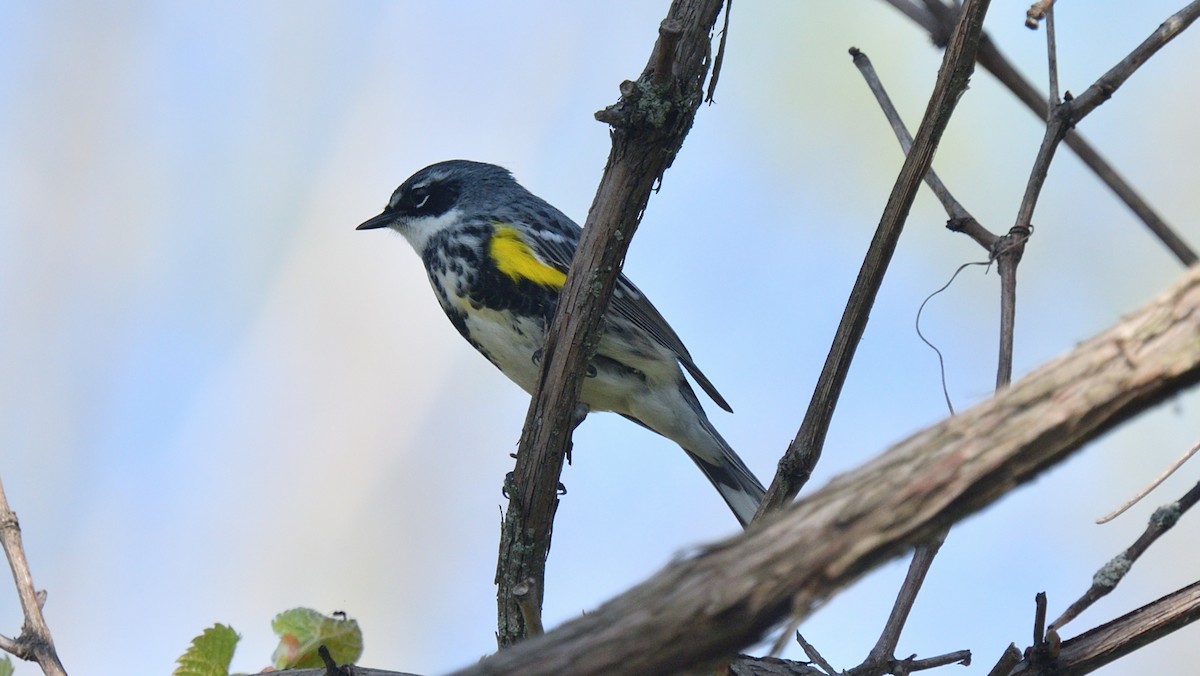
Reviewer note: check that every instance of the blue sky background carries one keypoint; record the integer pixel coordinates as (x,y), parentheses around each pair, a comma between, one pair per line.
(218,401)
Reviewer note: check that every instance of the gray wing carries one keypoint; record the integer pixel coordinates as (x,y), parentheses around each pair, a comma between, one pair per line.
(557,248)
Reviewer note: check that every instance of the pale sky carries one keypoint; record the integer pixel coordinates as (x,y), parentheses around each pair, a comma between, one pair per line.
(221,402)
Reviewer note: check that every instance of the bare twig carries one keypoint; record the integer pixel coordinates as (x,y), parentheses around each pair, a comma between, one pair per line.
(34,643)
(1107,578)
(1007,253)
(331,665)
(1051,53)
(882,657)
(954,209)
(728,595)
(649,125)
(1044,650)
(1039,618)
(911,664)
(814,655)
(1107,84)
(959,61)
(1179,462)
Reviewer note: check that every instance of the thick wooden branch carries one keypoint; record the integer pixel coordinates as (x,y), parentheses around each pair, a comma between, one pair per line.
(709,606)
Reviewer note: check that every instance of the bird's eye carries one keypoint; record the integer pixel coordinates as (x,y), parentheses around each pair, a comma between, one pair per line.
(419,196)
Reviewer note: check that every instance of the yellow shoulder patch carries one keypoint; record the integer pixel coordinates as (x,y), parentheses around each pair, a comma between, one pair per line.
(514,258)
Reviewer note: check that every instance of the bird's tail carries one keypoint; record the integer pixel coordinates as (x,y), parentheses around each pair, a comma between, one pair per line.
(712,454)
(690,428)
(730,476)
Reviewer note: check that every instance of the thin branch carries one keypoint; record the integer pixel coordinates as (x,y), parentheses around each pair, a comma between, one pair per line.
(1107,578)
(954,209)
(1052,54)
(1008,252)
(911,664)
(34,643)
(729,594)
(649,125)
(1060,119)
(1179,462)
(1107,85)
(882,657)
(1046,644)
(959,61)
(1039,618)
(1008,660)
(815,655)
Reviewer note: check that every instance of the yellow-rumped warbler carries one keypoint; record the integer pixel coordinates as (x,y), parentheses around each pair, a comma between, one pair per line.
(497,257)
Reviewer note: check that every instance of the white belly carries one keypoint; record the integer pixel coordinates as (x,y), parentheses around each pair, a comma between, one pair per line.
(510,343)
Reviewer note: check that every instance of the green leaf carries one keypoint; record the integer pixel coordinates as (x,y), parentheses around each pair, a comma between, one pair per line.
(302,630)
(209,654)
(6,666)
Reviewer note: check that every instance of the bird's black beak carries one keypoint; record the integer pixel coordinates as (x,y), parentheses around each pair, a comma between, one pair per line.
(381,221)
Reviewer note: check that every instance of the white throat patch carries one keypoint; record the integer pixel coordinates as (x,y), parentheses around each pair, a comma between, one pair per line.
(419,230)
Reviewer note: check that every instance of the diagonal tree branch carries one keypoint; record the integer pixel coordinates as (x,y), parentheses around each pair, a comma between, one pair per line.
(648,127)
(1106,579)
(34,643)
(957,65)
(700,609)
(1116,76)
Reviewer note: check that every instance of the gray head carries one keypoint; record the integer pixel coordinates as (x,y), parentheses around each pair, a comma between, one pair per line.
(437,196)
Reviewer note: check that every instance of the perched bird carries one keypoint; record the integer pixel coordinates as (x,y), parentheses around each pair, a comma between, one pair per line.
(497,257)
